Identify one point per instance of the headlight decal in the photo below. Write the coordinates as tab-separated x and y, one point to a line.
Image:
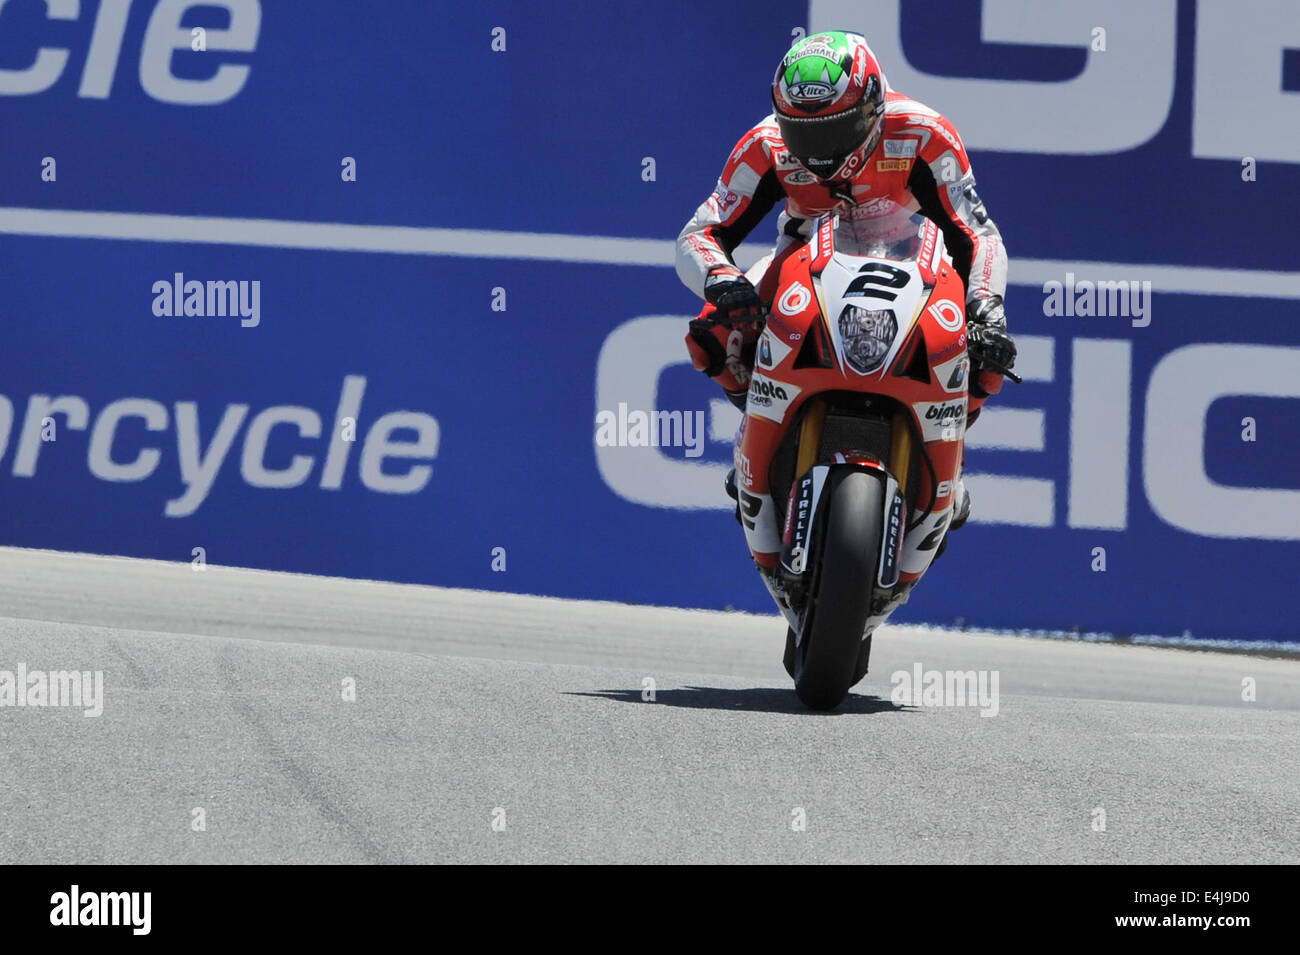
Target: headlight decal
867	335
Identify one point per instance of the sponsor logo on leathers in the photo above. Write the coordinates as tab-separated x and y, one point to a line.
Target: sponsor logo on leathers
734	362
800	178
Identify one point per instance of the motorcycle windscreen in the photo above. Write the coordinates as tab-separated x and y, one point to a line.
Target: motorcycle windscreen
883	230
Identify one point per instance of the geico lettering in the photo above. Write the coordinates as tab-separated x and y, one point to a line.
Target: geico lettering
163	36
1074	116
200	465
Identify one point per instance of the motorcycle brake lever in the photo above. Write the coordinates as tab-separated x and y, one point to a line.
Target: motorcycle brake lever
1004	372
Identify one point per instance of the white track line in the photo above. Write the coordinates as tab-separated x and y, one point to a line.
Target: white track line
556	247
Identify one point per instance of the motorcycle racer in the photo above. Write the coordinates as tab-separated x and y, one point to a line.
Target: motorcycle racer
839	140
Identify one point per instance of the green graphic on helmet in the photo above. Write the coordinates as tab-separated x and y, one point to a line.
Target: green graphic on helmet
817	69
832	46
813	69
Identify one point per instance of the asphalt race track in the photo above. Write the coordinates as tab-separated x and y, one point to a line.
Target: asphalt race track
224	692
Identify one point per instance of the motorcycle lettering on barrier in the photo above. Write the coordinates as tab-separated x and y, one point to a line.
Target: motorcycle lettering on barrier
163	37
198	466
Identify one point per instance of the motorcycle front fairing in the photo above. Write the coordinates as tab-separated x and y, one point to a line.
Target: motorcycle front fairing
862	363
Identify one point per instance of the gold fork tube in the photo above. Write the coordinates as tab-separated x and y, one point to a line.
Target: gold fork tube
900	451
810	435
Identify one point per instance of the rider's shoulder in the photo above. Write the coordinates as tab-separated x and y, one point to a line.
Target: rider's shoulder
763	137
904	115
901	109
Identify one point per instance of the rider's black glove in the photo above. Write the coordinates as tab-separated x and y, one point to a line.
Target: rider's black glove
992	350
736	300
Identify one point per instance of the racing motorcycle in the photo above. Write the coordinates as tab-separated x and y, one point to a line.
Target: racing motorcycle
849	452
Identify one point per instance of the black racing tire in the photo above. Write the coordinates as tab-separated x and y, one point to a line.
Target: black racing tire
826	661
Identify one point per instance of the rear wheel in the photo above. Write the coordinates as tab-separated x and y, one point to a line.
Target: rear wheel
826	662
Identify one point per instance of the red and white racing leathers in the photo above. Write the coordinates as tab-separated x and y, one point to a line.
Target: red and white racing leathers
920	163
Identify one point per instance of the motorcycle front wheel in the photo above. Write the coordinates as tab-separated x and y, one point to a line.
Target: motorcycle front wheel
826	660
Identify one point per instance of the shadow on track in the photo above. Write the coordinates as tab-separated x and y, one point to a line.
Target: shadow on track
758	699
